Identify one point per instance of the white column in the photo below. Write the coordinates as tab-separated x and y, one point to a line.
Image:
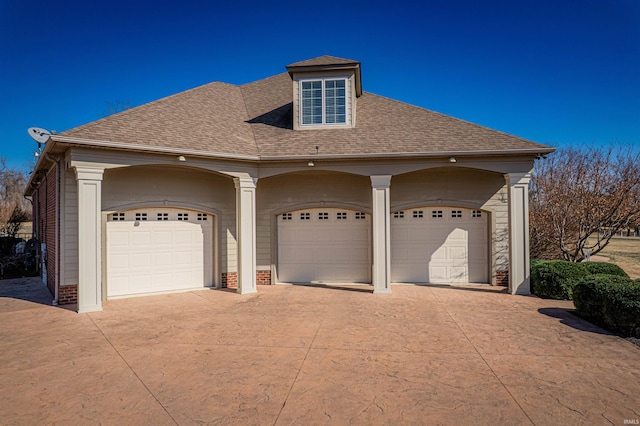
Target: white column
246	233
89	238
381	273
519	282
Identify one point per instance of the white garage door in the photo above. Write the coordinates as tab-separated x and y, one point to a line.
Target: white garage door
324	245
156	250
439	245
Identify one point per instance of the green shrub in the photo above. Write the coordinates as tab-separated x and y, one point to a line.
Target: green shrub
622	309
555	279
604	268
589	295
611	301
534	262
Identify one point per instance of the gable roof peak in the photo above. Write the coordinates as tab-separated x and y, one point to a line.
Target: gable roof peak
325	60
328	63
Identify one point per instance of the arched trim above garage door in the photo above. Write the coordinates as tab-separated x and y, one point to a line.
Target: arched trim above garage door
440	244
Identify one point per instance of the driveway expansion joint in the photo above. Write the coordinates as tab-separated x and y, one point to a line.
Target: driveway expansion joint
131	369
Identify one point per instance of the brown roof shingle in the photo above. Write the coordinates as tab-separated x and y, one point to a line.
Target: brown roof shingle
210	118
255	120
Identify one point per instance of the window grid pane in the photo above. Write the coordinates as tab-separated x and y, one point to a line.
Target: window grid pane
311	102
335	101
323	102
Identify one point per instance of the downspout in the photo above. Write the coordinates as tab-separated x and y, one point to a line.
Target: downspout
56	284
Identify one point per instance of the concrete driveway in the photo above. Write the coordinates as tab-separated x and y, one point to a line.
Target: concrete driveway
311	355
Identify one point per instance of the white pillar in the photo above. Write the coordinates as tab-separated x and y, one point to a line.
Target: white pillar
519	274
246	233
381	273
89	238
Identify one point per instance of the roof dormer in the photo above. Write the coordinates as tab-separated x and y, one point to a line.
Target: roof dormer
325	90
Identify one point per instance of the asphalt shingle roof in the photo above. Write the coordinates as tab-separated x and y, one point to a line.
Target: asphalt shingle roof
255	119
323	60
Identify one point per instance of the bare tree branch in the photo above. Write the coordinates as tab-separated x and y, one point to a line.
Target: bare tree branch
580	198
14	209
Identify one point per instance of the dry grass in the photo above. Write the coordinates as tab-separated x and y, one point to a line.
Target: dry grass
624	252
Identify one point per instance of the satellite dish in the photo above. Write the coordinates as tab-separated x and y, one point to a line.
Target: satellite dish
39	135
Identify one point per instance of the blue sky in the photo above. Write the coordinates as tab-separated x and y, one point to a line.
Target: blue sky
552	71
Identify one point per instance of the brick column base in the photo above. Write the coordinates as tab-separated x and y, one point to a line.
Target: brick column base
263	277
67	294
502	278
230	279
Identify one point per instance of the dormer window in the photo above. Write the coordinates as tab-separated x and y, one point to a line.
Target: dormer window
325	93
323	101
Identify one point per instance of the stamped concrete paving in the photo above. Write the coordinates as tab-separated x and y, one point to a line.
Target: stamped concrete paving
311	355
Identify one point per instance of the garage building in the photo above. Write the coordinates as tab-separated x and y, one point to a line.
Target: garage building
301	177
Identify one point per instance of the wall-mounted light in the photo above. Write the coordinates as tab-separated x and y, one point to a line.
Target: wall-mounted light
452	159
181	158
311	163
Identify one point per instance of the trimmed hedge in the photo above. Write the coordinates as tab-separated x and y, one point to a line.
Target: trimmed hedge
555	279
604	268
611	301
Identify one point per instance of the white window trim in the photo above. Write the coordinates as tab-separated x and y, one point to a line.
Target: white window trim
347	107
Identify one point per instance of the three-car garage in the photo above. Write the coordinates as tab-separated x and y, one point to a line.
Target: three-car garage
151	250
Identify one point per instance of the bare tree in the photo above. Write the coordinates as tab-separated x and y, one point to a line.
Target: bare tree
580	199
14	209
115	107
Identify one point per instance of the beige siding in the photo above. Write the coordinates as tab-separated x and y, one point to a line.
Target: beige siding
167	186
302	190
70	229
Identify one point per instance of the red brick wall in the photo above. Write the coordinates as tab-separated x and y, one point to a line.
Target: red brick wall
44	224
230	279
263	277
68	294
50	227
502	278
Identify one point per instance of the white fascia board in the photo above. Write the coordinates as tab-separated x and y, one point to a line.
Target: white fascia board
180	151
146	148
40	165
394	155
